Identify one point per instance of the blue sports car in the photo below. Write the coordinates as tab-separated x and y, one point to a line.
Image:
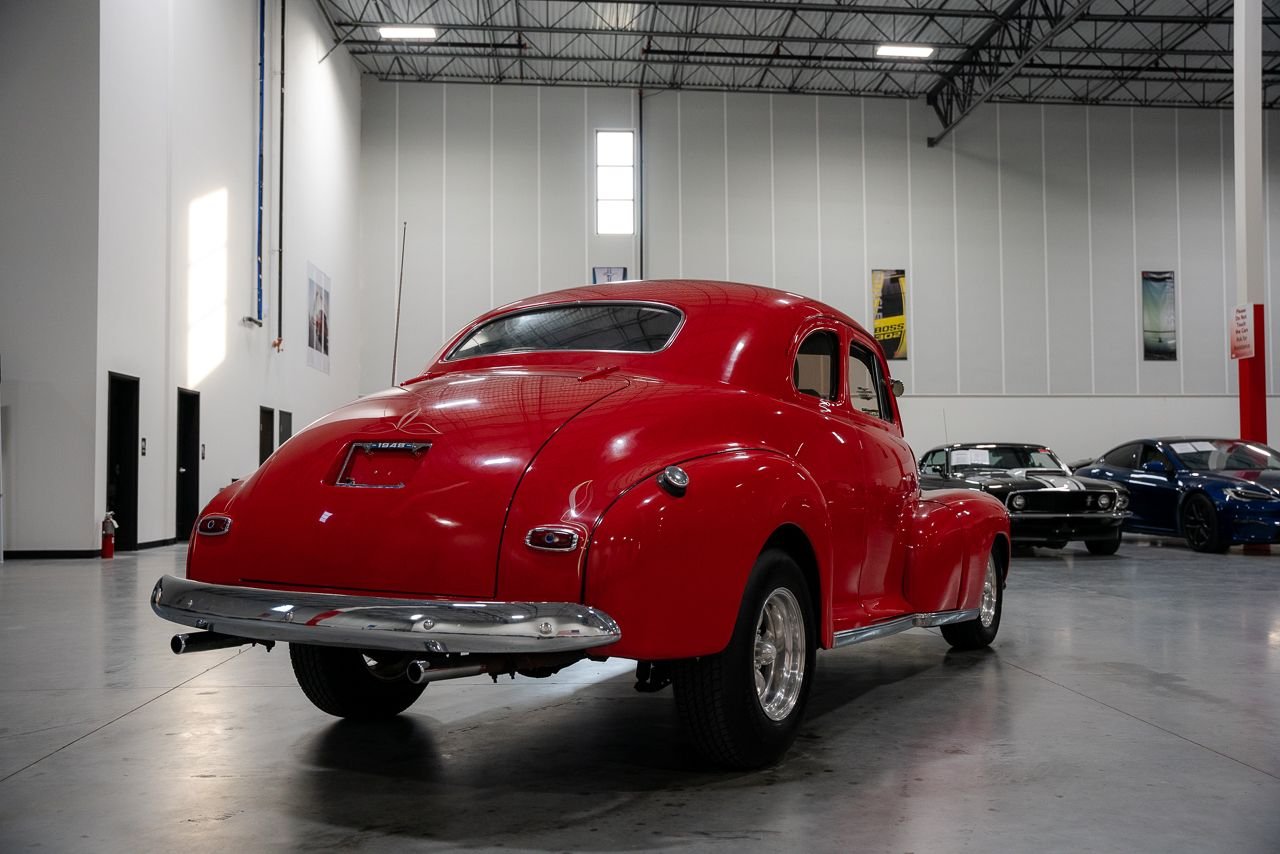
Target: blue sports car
1214	492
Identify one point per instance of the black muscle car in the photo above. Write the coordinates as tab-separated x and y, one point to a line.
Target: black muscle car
1048	506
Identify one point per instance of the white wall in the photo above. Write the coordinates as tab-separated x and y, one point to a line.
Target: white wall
178	102
497	189
1023	236
48	272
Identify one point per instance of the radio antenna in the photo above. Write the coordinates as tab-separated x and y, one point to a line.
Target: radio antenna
395	341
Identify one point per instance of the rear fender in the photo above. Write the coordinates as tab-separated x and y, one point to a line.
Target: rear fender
953	531
672	569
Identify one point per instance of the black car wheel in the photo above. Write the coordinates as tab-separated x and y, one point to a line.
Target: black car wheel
1104	547
743	706
1200	525
348	683
979	633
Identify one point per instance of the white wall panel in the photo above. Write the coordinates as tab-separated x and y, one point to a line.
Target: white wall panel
468	231
663	235
1155	158
750	177
379	237
1116	330
933	254
980	354
515	193
843	275
1202	349
1022	242
565	161
48	280
795	194
420	190
703	239
1023	234
1070	300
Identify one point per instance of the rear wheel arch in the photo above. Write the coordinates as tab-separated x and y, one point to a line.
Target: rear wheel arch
791	539
1000	548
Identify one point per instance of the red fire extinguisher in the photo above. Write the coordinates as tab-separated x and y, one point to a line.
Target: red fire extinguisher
109	525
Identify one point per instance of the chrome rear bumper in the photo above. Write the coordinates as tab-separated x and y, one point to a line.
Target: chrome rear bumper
359	622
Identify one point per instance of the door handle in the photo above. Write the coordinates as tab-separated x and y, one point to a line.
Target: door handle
181	470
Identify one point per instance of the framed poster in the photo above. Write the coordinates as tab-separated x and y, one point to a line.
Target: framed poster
600	275
889	306
1159	317
317	319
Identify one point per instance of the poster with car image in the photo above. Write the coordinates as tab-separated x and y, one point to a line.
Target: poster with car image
317	319
889	306
1159	317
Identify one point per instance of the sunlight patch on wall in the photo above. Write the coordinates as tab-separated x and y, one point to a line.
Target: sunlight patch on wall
206	285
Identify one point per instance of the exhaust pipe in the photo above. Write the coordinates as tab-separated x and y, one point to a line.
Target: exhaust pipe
205	641
420	672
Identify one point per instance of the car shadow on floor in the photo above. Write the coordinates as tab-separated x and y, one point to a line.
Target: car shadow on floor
592	761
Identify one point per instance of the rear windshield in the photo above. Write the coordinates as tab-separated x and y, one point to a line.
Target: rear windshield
615	327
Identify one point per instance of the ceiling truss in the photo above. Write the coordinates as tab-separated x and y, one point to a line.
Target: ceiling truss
1102	52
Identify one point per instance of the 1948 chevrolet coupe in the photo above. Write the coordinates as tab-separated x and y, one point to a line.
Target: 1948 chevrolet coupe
708	478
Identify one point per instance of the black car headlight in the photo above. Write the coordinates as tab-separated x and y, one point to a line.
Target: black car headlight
1104	501
1018	501
1122	501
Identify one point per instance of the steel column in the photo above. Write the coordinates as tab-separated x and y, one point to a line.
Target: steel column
1250	283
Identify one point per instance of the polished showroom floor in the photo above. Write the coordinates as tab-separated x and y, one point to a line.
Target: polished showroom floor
1130	704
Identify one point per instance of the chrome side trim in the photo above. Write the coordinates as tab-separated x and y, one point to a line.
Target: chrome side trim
366	622
901	624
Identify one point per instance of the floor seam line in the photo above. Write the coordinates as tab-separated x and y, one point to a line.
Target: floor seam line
98	729
1142	720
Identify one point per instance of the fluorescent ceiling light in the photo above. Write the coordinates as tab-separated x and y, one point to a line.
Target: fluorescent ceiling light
910	51
407	32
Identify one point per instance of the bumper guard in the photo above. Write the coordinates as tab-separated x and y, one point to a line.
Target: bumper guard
360	622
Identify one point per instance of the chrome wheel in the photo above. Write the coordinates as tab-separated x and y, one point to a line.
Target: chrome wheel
779	654
990	594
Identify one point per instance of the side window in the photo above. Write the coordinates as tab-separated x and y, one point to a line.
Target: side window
1152	454
1124	457
934	462
866	391
816	370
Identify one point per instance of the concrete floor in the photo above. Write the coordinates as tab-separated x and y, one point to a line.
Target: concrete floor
1130	704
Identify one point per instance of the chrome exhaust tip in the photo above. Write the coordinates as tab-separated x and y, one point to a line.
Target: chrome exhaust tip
204	641
420	672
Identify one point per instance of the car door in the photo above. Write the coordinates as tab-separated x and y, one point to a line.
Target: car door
831	450
1153	495
890	481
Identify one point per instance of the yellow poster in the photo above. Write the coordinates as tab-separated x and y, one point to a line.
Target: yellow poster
889	301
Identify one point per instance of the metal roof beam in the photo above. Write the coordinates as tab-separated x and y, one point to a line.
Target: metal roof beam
961	92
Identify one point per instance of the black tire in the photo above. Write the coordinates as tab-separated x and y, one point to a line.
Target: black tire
717	695
980	632
346	684
1199	520
1104	547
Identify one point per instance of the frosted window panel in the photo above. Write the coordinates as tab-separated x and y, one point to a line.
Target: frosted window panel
615	182
615	217
615	148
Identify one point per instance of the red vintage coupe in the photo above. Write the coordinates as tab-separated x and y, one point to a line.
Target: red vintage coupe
708	478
